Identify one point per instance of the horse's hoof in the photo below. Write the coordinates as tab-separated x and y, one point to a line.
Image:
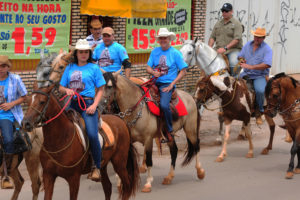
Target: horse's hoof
119	189
249	155
146	189
265	151
289	175
142	170
167	181
288	140
297	170
241	137
219	159
200	173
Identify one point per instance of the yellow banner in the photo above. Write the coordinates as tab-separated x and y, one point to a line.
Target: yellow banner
125	8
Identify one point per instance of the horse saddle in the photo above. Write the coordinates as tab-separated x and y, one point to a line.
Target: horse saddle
152	94
106	136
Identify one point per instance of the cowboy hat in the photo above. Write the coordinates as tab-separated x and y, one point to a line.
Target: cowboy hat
4	60
259	32
82	44
163	32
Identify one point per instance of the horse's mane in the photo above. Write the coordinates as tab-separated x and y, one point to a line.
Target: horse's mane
278	76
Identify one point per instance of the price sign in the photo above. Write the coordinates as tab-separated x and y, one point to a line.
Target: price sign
140	32
27	28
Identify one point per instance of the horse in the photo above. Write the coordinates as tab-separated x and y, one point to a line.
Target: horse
144	125
43	68
283	96
64	155
237	103
200	54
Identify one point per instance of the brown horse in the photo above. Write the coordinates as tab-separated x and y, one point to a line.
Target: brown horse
283	97
63	154
144	125
237	104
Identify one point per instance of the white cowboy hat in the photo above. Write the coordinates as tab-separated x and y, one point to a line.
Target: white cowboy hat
82	44
164	32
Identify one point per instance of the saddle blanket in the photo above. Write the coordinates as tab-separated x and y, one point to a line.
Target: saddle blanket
180	107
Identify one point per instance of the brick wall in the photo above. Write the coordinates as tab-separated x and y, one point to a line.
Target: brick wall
79	30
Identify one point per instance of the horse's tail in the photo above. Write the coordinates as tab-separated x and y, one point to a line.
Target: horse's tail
129	189
193	148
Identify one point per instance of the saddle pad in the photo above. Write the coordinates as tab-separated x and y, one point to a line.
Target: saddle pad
180	107
108	138
80	136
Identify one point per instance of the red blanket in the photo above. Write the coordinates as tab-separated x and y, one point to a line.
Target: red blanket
180	107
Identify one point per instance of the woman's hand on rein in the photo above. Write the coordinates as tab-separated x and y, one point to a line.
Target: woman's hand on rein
69	92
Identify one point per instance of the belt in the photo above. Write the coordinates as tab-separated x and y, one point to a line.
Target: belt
88	98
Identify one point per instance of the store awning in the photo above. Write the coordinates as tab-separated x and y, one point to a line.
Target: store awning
125	8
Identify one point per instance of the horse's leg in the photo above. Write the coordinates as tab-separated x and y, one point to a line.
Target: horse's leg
297	169
18	181
32	163
221	121
290	173
74	182
48	180
148	150
271	124
248	135
143	167
223	153
200	170
173	151
106	184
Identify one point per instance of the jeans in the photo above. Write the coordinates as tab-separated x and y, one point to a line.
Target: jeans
6	127
259	87
232	58
91	124
165	98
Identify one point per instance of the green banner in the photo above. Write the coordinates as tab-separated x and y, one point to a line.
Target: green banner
31	26
141	32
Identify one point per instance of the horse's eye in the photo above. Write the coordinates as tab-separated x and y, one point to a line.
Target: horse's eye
61	67
274	96
42	103
46	74
190	53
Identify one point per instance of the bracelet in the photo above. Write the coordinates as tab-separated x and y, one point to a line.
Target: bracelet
225	48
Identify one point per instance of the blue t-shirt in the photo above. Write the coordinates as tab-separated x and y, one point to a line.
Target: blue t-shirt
169	62
83	79
263	54
3	99
110	58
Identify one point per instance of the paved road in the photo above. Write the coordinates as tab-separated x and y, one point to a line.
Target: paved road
261	177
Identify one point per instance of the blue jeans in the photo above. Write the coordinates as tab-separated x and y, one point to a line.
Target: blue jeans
165	98
259	87
6	127
232	58
91	124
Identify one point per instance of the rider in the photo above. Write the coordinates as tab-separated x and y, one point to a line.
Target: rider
12	94
258	60
95	28
167	64
111	55
84	77
227	34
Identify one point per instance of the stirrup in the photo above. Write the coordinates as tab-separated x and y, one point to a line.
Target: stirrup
95	175
168	138
6	183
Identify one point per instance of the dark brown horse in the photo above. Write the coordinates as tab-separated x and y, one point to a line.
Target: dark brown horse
63	154
237	104
283	97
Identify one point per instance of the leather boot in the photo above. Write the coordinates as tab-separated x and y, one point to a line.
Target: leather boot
95	176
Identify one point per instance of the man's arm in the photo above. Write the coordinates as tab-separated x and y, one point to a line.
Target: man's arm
211	42
261	66
127	67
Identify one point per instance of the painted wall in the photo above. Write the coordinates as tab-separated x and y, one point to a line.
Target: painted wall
281	18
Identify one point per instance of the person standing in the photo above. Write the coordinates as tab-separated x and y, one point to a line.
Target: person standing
227	37
95	38
85	78
12	94
167	64
257	61
111	55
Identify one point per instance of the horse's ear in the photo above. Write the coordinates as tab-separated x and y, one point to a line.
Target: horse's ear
117	72
68	56
61	51
42	55
182	40
195	40
35	85
49	89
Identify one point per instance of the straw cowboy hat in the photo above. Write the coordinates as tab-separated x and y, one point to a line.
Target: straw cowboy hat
259	32
81	44
164	32
4	60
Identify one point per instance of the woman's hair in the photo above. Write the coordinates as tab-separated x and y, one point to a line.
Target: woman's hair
75	59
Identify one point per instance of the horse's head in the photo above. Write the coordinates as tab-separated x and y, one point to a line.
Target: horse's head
58	66
188	51
276	92
38	103
43	68
203	90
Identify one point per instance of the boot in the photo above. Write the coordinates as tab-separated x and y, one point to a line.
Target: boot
95	175
168	137
259	120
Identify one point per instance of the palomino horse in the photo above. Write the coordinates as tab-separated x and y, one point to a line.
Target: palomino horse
236	102
200	54
144	125
63	154
283	97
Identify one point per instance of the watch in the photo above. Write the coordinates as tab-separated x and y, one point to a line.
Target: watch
225	48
